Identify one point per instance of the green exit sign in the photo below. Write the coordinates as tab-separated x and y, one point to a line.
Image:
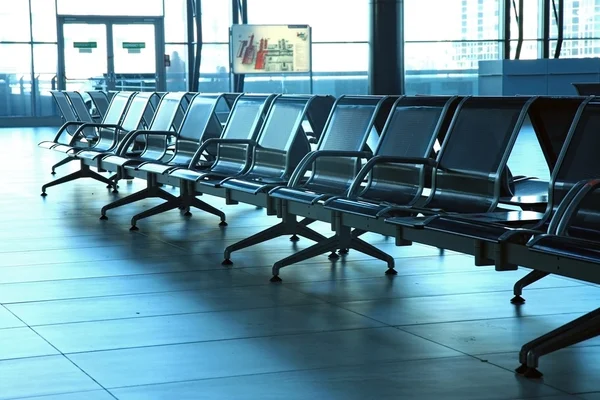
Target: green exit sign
85	45
134	45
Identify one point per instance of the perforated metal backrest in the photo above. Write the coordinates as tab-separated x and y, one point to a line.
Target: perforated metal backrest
100	100
475	151
282	141
347	129
117	108
66	110
166	111
244	122
135	112
199	124
411	130
79	106
579	160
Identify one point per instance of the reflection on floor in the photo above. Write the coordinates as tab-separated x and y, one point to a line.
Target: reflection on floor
90	310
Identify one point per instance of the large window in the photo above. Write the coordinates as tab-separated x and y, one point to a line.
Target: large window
214	70
340	53
445	61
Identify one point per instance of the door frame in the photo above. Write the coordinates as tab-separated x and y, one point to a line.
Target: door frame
110	21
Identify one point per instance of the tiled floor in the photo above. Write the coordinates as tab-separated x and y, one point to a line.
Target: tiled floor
90	310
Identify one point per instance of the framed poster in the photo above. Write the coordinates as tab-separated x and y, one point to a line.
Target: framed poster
270	49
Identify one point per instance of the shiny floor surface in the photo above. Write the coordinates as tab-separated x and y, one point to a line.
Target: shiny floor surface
90	310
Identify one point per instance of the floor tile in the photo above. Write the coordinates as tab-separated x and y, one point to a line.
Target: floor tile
493	336
254	356
572	370
470	307
147	305
122	285
420	285
8	320
459	378
22	343
40	376
92	395
189	328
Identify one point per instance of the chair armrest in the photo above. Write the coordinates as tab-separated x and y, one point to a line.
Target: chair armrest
353	191
251	143
131	136
311	157
562	219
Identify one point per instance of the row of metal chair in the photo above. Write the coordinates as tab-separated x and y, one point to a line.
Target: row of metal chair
426	169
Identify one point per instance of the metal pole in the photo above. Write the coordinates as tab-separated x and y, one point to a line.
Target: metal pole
506	25
546	29
561	27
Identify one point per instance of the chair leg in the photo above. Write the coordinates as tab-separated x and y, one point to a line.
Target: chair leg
84	172
191	201
370	250
64	161
288	226
159	209
525	281
322	247
576	331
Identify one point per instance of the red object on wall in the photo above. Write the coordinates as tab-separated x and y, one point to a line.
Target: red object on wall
261	55
250	52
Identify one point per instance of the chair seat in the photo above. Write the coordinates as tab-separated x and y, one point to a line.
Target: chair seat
65	148
120	161
47	144
90	154
356	207
297	195
564	246
187	174
155	168
251	186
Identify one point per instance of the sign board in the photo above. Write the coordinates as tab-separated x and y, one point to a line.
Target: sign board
134	45
270	49
85	45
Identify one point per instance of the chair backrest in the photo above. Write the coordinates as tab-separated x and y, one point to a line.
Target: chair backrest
100	100
347	129
411	130
117	108
136	110
199	123
66	109
579	160
475	152
282	141
79	106
157	145
244	122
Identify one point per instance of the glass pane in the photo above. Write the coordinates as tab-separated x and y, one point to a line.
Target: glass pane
214	71
216	20
340	57
530	50
176	21
177	80
14	22
582	20
449	55
111	7
331	20
86	62
338	84
134	57
532	17
45	66
15	80
44	23
297	84
460	19
577	48
441	82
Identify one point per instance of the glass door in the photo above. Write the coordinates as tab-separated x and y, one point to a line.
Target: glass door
85	55
111	53
134	63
